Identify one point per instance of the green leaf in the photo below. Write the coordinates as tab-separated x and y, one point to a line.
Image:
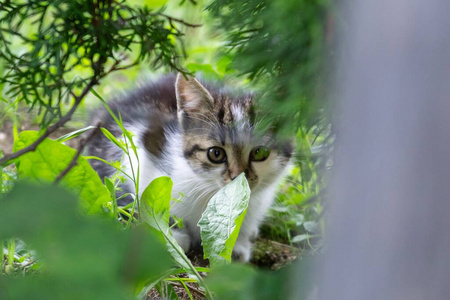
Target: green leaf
224	64
299	238
119	122
74	134
222	220
311	226
92	257
155	211
113	139
112	192
50	159
155	3
156	201
155	204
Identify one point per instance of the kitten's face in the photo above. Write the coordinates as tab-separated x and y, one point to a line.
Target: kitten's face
219	142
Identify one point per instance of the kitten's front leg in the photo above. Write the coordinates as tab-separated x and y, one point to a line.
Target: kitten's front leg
243	248
242	251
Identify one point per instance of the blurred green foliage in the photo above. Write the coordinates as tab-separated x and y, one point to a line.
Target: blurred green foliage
84	257
282	46
244	282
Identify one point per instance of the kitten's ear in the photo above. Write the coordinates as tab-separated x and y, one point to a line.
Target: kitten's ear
192	97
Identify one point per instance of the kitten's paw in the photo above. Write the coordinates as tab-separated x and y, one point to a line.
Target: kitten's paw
241	252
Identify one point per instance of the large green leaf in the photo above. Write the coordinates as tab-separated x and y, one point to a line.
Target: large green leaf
83	257
222	220
155	211
155	205
50	159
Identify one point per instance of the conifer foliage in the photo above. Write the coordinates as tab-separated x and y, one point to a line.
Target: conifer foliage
58	50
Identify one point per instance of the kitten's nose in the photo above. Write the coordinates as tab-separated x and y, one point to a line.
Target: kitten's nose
235	174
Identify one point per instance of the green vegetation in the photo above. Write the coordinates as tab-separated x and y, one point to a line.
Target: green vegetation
222	220
50	159
64	234
82	256
156	201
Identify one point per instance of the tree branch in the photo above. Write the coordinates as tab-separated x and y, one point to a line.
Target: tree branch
80	149
7	158
177	20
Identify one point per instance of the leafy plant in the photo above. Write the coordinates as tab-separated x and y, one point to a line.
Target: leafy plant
156	213
50	159
129	148
222	219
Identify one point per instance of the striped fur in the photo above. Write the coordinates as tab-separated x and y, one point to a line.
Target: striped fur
176	120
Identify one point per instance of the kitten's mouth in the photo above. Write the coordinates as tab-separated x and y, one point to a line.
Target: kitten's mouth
252	185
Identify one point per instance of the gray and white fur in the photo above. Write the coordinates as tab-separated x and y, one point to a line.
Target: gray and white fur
202	135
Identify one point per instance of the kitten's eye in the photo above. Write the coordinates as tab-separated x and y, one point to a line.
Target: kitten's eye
217	155
259	153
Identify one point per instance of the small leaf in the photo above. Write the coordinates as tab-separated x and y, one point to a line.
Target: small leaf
113	139
178	222
299	219
280	209
222	220
112	191
50	159
299	238
74	134
311	226
110	185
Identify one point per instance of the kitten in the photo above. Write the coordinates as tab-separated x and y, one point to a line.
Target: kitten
202	136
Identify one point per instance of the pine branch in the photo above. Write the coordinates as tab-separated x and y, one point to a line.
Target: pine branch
180	21
38	76
106	32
